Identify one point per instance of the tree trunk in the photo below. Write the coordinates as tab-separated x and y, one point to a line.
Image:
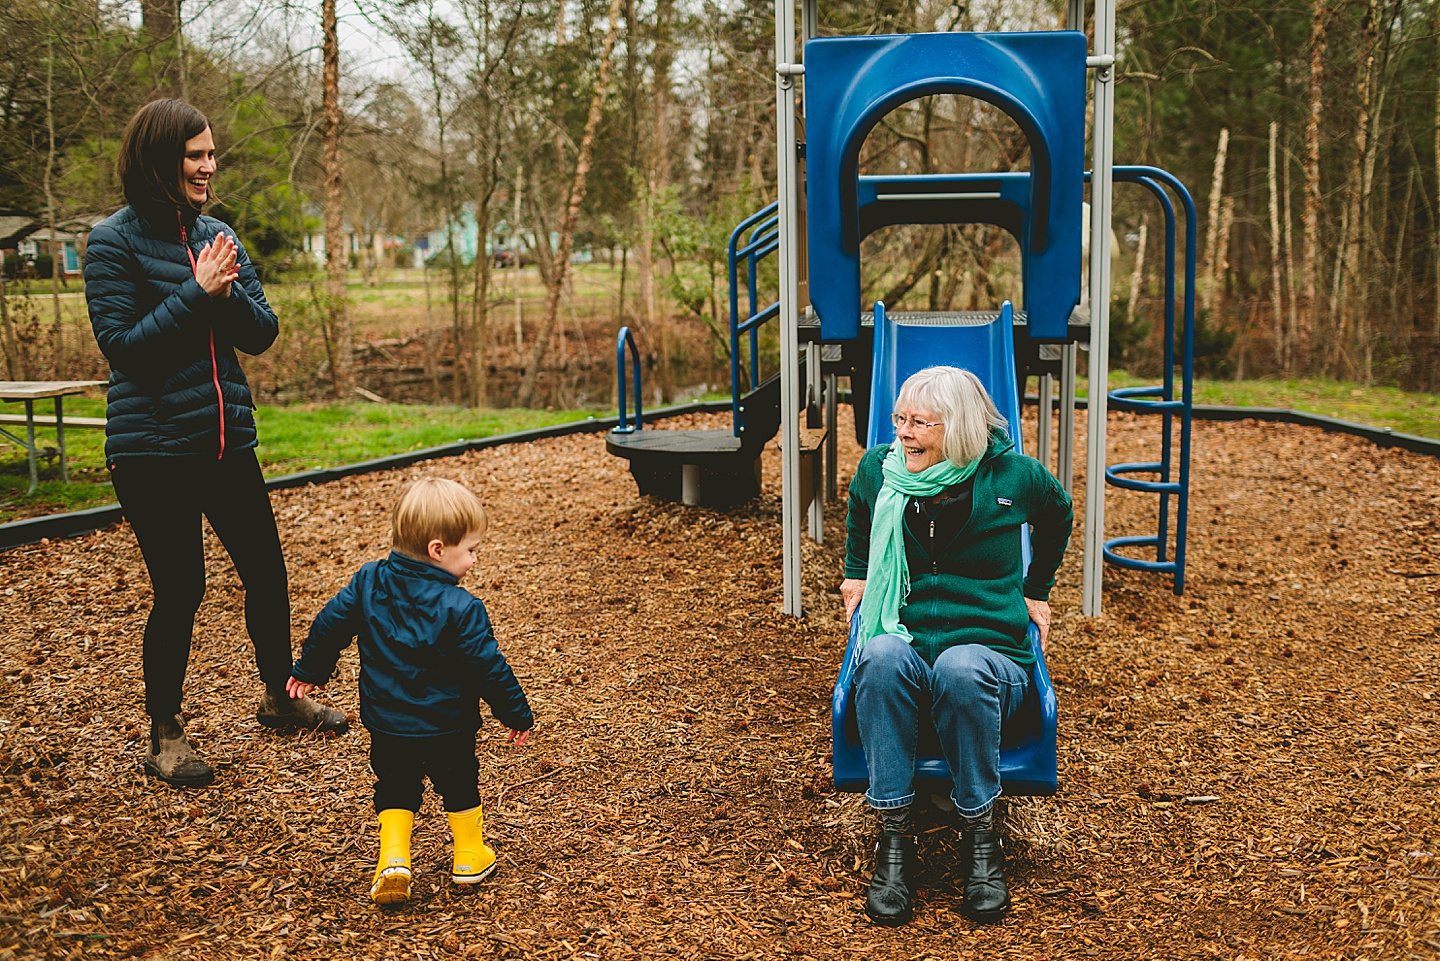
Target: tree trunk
1435	235
487	161
515	249
480	311
572	211
13	366
657	175
1303	343
159	17
57	262
1137	276
336	253
1293	313
1350	270
1282	358
1222	275
1212	227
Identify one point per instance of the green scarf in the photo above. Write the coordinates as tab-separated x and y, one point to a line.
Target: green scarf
887	574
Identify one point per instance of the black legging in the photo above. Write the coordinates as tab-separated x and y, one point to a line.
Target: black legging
163	499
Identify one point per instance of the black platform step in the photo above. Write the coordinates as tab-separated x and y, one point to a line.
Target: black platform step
690	446
724	468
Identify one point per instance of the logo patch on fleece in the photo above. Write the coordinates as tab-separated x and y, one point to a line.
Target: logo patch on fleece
1004	501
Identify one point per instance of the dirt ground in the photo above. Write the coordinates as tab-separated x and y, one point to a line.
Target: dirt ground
1247	771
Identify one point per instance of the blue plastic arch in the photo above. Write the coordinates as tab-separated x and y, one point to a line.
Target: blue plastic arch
853	82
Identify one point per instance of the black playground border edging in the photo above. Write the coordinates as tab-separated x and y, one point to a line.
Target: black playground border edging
74	523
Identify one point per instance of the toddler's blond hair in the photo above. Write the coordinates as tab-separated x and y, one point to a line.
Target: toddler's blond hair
432	508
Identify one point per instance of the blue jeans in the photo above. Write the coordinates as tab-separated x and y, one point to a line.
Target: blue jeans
969	695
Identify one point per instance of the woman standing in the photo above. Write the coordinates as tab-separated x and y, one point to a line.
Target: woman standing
933	564
172	294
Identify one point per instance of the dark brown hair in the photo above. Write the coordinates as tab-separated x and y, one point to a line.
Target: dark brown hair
151	150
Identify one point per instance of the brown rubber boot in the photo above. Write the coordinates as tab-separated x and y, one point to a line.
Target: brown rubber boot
280	712
171	758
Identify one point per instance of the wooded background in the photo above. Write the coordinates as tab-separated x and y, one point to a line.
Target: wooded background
643	130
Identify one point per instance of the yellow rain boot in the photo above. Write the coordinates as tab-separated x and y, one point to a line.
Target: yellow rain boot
474	859
392	873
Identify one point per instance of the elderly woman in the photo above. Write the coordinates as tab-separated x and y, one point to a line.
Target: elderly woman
933	564
172	297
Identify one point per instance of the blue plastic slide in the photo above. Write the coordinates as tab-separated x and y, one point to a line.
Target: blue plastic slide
982	344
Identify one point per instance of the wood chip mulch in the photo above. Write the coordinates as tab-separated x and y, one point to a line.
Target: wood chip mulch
1247	771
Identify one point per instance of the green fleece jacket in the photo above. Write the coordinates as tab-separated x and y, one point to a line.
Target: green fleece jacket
974	590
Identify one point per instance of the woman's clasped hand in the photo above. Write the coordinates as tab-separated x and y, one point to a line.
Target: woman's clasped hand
217	267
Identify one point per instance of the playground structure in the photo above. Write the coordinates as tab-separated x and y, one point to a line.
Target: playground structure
851	83
1038	79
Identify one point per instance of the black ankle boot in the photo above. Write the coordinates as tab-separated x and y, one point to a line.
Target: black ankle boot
982	863
891	901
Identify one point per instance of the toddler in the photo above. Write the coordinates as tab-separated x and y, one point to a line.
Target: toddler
427	657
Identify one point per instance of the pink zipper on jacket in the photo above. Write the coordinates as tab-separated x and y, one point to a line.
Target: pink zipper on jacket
214	367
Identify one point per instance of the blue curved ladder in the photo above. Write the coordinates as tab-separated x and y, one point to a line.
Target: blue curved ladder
1171	479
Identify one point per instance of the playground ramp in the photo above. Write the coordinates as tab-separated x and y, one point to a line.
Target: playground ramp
981	342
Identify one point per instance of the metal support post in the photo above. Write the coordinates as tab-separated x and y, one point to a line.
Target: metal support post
786	69
30	444
813	396
1101	187
60	437
832	443
1066	466
1042	433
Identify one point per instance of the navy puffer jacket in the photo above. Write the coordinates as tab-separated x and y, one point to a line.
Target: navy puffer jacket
170	345
428	654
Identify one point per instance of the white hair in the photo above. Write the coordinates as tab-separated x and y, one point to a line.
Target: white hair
959	401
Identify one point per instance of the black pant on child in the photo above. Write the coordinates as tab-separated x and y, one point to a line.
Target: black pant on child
401	765
163	499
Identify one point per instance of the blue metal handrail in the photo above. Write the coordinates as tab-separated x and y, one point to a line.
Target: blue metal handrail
1162	399
626	337
764	233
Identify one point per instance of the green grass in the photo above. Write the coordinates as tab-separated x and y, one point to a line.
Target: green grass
305	437
292	439
1402	411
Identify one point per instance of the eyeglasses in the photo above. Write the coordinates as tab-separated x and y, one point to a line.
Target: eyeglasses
900	420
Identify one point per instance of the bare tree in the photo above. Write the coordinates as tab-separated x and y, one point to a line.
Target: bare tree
1212	227
1310	262
1282	356
57	264
337	253
572	211
8	341
655	174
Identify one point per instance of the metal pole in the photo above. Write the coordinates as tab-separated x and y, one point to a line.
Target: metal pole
60	435
1042	434
813	396
832	442
1074	20
1066	471
1100	195
786	69
30	442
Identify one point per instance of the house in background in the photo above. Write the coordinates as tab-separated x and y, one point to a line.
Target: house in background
28	238
315	244
435	243
14	228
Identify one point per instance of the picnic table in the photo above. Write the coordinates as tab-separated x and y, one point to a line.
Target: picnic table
30	391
